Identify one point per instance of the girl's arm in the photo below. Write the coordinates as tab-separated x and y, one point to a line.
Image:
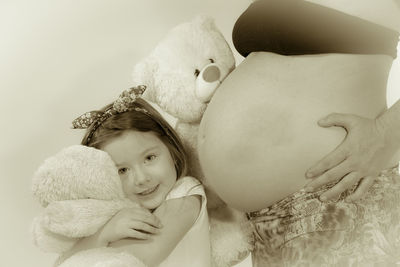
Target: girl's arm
177	217
137	222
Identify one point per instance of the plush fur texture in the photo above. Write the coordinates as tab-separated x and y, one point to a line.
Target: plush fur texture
181	74
72	174
80	190
102	257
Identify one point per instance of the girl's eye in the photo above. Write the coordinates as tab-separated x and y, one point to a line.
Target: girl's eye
150	158
212	60
196	72
122	171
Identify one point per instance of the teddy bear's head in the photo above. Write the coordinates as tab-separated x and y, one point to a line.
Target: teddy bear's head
185	68
77	172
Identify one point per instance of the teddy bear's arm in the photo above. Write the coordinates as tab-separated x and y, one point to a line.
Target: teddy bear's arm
48	241
83	244
100	257
81	217
177	217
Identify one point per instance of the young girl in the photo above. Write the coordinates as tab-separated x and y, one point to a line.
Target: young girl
172	227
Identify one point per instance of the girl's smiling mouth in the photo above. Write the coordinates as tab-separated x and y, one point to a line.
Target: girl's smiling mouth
148	191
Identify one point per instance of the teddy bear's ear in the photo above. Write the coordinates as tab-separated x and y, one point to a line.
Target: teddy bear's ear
143	74
204	21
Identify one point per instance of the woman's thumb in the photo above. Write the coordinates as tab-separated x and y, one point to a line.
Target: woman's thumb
336	119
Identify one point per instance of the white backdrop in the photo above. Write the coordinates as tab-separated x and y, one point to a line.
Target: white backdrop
61	58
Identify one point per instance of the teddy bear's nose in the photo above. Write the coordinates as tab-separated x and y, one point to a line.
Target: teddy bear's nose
211	73
207	82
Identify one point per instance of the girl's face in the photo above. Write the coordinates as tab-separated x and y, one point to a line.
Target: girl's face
145	166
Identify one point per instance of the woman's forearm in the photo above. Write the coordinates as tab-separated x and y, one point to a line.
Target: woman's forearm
389	122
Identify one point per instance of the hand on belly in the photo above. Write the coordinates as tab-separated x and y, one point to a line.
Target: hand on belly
259	134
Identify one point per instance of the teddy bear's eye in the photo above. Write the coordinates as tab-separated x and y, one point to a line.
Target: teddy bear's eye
212	60
196	72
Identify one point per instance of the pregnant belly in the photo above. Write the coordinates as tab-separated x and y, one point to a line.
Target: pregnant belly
259	134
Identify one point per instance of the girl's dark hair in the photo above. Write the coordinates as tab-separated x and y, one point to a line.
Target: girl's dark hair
150	121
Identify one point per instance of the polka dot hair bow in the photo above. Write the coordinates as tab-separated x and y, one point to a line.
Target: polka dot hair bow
124	102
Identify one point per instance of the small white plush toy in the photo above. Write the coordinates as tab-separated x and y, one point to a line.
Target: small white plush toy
181	74
80	190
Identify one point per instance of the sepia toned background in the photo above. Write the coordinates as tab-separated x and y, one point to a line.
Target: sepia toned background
59	59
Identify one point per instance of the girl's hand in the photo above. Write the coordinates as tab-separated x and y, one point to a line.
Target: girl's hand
360	158
138	223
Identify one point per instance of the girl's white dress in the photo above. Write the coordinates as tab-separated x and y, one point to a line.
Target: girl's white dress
194	248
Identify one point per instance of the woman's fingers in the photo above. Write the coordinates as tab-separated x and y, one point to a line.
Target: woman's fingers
362	188
334	174
338	119
328	162
347	121
346	183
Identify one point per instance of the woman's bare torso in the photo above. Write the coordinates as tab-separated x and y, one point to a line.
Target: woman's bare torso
259	134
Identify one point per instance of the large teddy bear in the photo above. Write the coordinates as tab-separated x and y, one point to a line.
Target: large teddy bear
181	74
80	190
